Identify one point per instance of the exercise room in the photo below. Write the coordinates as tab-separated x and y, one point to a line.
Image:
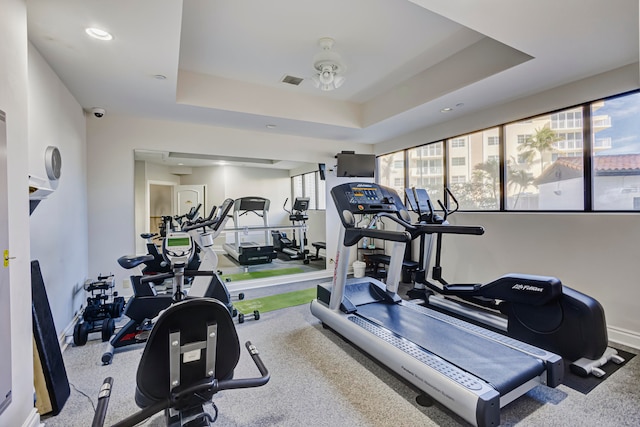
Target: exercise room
363	213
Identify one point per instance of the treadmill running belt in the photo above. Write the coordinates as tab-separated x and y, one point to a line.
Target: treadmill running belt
502	367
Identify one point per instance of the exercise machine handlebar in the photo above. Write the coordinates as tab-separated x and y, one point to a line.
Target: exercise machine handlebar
420	229
103	403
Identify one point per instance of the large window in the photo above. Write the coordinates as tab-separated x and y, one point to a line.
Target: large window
544	162
474	170
390	171
309	185
583	158
615	160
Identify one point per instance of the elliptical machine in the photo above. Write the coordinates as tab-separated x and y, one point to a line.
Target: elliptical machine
289	248
538	310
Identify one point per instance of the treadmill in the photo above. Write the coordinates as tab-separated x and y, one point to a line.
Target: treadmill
251	253
472	371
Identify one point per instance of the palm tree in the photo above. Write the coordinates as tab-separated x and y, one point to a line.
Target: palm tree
489	170
543	140
521	179
384	167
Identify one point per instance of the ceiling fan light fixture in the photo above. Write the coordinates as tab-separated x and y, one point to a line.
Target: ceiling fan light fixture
328	66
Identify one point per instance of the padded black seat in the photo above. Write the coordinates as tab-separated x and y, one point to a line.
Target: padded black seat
318	246
206	343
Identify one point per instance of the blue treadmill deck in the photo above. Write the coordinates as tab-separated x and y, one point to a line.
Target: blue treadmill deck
500	366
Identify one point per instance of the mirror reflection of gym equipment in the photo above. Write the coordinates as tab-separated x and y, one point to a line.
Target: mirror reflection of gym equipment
250	252
156	177
291	249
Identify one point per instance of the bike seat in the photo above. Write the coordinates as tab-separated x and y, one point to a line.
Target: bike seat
148	235
132	261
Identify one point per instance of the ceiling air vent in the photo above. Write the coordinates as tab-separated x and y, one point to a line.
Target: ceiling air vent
292	80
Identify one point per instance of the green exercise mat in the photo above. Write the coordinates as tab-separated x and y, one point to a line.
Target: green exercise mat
276	302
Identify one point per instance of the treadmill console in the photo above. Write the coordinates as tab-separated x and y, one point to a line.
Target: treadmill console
365	198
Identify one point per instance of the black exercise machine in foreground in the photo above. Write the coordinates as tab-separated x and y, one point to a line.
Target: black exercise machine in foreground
471	370
538	310
189	357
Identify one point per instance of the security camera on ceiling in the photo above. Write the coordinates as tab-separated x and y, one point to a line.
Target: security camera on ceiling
98	112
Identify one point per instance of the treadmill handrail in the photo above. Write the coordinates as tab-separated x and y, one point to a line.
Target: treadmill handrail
476	230
444	228
213	223
353	235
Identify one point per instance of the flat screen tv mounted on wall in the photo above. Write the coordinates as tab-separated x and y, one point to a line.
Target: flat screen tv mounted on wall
356	165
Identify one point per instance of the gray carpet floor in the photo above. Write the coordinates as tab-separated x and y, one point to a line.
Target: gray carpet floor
318	379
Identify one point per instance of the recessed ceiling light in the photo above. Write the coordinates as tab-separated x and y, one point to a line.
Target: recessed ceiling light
446	110
160	77
99	34
271	126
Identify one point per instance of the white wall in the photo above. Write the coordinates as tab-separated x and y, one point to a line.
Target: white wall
214	179
596	254
59	223
13	101
111	141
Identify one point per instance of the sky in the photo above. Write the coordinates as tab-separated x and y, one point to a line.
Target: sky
625	124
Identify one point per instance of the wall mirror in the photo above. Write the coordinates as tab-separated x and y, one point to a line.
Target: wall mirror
170	183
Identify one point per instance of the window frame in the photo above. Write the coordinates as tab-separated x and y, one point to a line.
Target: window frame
589	141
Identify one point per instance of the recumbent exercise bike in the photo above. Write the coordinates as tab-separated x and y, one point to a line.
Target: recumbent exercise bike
191	353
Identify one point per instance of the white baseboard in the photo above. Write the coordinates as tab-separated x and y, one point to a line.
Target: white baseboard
66	337
624	337
33	420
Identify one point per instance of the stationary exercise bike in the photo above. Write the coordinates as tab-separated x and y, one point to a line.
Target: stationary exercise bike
146	303
538	310
191	354
158	264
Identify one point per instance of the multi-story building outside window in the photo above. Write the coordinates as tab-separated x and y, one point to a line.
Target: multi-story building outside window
426	168
567	120
458	142
474	171
458	161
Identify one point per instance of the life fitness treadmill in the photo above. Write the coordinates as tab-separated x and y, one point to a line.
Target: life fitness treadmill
470	370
